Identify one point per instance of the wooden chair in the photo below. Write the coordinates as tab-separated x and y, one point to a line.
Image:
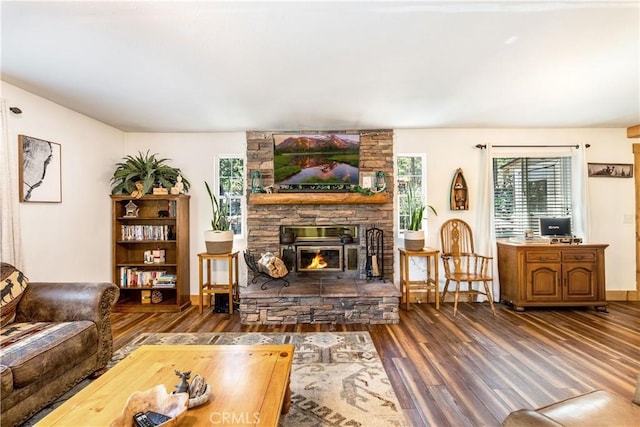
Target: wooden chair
462	264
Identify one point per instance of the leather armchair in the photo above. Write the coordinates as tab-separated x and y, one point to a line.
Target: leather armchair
596	408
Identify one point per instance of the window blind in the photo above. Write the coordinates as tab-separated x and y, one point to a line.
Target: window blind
527	188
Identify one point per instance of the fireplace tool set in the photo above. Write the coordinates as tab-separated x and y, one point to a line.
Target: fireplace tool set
375	256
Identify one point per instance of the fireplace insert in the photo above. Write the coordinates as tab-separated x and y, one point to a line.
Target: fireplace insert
322	248
319	258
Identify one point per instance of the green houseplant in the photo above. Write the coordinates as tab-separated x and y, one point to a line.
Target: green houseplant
147	169
414	235
219	239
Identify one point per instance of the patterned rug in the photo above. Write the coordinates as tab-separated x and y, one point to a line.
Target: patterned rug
337	378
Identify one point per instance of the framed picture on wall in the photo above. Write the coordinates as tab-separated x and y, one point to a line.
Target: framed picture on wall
316	162
611	170
40	170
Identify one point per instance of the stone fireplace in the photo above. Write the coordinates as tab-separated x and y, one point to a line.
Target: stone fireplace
337	288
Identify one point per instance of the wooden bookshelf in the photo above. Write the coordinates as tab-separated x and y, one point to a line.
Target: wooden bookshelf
162	222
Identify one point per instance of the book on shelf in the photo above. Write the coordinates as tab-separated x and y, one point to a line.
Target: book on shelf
164	285
172	208
165	281
146	232
131	277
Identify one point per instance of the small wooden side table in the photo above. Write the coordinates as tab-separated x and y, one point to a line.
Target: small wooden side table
207	287
428	284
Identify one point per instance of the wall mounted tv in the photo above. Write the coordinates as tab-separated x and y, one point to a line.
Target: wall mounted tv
555	227
316	162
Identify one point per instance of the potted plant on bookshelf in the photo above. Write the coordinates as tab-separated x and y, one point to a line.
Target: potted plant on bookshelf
219	240
138	175
414	235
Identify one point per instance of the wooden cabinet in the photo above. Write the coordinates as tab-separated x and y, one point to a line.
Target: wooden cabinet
551	275
150	239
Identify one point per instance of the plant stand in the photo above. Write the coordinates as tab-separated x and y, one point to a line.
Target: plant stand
207	287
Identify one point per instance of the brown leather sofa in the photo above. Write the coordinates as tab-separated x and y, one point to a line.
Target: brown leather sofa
596	408
61	334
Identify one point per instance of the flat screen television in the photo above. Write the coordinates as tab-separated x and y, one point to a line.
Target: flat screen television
316	162
555	226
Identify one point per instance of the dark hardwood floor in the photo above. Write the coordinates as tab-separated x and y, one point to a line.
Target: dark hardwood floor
474	369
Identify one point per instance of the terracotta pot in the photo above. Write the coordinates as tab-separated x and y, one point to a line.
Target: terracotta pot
218	242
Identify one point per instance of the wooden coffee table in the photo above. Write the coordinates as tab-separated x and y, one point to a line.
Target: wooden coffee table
249	384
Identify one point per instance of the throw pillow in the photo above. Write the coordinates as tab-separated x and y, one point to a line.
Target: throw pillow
12	286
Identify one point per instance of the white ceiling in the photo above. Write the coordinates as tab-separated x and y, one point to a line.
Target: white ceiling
171	66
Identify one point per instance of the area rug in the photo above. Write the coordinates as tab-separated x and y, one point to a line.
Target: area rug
337	378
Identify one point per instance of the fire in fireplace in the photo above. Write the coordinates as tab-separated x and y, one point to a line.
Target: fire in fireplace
315	258
317	262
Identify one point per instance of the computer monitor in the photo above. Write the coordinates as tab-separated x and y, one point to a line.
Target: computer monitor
556	226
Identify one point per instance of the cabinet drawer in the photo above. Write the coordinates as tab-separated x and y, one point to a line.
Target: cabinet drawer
586	256
551	256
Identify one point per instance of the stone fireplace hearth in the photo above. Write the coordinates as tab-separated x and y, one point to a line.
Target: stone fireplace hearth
341	293
328	299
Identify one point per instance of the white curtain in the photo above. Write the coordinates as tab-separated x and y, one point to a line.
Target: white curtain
10	236
485	235
580	197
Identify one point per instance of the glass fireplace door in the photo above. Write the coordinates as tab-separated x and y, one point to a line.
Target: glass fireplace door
319	258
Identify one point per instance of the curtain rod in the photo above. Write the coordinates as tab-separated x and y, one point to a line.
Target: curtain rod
483	146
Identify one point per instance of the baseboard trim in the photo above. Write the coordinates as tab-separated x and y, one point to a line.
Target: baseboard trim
623	296
611	296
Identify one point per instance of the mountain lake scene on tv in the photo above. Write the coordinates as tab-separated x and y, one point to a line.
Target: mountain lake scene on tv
316	161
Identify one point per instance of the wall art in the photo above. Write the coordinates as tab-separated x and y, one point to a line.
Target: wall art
316	162
40	170
611	170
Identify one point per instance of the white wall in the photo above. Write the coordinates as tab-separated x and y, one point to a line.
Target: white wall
610	199
70	240
67	241
195	155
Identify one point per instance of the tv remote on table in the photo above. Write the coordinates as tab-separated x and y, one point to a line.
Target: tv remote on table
149	419
142	420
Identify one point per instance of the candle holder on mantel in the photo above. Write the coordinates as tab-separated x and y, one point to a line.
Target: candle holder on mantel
256	182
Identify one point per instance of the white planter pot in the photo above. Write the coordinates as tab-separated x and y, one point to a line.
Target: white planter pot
414	240
218	242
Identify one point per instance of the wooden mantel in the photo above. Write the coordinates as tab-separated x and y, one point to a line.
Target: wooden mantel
317	198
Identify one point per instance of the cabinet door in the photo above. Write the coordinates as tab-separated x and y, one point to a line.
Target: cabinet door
580	281
543	282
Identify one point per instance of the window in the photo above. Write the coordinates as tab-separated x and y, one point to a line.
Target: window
411	176
526	188
231	189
